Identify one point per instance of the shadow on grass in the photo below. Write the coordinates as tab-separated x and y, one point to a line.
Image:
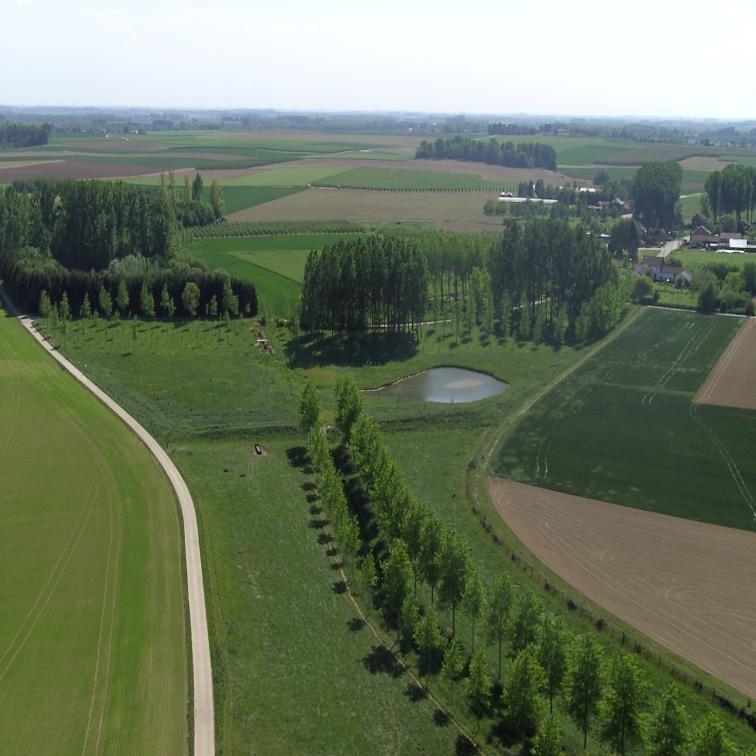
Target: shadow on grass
339	587
381	660
464	747
441	718
415	693
356	624
297	456
352	350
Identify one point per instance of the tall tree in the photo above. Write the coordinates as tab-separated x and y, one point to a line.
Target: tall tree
522	692
167	306
397	577
190	298
216	199
548	741
620	710
197	188
656	192
146	302
430	552
428	637
710	739
453	665
498	613
455	560
105	302
122	298
666	732
479	686
348	404
475	600
583	683
524	620
309	407
552	654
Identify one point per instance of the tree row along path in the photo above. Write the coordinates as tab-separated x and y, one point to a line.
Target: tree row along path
202	680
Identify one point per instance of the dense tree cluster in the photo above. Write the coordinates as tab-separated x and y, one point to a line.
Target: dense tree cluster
399	541
656	193
75	239
521	155
374	282
732	190
24	134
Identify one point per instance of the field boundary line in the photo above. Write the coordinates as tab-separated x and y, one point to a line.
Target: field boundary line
202	680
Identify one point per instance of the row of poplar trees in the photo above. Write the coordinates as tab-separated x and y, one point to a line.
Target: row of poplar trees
540	665
371	283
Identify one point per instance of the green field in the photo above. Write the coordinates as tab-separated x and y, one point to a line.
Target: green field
93	647
695	259
410	180
275	264
622	428
292	671
238	197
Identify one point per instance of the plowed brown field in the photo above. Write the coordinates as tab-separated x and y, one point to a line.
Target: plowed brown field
689	586
732	382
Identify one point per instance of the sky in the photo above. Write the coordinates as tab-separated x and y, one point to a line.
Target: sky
666	58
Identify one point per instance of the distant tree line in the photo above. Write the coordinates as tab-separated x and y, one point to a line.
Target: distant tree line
732	190
511	129
524	155
24	134
374	282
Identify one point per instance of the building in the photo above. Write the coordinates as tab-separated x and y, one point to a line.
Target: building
656	269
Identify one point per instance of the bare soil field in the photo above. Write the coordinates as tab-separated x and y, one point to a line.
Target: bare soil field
14	164
353	204
732	382
702	163
689	586
387	140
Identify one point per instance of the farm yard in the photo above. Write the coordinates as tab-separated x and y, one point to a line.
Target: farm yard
687	585
623	428
93	640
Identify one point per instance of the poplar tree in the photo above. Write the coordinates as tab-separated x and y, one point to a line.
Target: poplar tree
348	404
475	600
105	302
522	693
197	188
666	732
498	612
428	637
583	683
552	654
190	298
620	709
710	739
454	564
479	686
216	199
309	407
452	665
166	303
122	298
548	741
86	307
524	619
146	302
432	541
397	577
45	306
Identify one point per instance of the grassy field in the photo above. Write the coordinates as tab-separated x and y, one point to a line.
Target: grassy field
695	259
293	672
93	648
275	264
622	428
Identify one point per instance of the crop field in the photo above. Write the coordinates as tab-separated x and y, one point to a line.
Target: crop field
623	427
93	647
274	264
353	204
732	382
687	585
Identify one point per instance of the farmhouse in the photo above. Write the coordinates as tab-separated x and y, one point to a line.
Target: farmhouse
655	268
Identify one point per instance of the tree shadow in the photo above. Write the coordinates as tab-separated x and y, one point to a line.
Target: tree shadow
414	692
441	718
318	523
298	457
339	587
356	624
382	660
351	350
325	538
464	747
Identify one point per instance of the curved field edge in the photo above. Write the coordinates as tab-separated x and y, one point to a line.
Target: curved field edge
94	638
702	604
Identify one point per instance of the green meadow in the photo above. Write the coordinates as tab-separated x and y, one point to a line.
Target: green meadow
410	180
93	638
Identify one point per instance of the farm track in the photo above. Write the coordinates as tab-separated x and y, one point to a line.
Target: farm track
688	586
202	688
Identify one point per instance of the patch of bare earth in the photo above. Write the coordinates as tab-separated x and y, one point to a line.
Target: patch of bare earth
732	381
689	586
346	204
72	170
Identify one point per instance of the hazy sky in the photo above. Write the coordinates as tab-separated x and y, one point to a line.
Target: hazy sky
643	57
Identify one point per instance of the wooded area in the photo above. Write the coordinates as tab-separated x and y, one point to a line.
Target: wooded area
524	155
24	134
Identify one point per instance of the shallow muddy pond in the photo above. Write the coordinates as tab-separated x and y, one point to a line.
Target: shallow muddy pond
445	385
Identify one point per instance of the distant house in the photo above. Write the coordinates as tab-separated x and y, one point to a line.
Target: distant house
698	220
655	268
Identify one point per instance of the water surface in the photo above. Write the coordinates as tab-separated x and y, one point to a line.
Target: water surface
445	385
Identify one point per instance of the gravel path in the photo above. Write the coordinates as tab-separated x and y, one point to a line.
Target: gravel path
204	717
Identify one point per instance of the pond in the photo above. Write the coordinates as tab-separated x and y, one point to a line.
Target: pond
445	385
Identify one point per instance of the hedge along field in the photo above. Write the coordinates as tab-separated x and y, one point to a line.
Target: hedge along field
410	180
93	646
294	671
623	429
275	264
